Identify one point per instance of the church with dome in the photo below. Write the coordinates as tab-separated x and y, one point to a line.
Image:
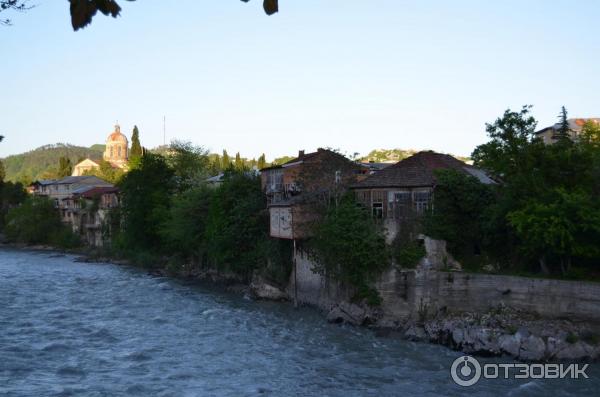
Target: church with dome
116	154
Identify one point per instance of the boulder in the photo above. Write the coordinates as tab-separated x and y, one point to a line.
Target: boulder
263	290
510	344
573	351
533	348
415	333
352	314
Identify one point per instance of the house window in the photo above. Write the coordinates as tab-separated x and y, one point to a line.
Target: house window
398	203
422	200
119	151
378	210
338	177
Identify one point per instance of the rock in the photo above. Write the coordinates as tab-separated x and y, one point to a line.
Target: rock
573	351
553	346
264	290
510	344
415	333
458	336
336	315
352	314
533	348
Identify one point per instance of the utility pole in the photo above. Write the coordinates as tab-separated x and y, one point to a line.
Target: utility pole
164	130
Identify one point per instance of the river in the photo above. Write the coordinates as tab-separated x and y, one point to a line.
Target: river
78	329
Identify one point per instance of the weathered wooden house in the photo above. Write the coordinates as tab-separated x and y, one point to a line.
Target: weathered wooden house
293	188
405	190
87	211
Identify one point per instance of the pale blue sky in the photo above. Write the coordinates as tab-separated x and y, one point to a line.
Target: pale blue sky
355	75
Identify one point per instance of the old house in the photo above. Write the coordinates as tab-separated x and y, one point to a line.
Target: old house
405	190
294	187
549	134
87	211
62	188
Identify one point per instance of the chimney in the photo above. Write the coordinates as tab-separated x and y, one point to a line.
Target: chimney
300	154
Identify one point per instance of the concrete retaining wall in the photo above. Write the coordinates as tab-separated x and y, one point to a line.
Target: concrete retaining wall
407	293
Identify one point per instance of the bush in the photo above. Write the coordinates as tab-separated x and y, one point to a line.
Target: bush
65	238
408	254
349	247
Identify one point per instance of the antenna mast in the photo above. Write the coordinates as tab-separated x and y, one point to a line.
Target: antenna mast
164	130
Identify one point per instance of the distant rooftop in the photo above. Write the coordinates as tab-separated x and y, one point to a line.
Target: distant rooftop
575	124
418	171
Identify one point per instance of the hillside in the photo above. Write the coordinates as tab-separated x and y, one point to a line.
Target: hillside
395	155
32	165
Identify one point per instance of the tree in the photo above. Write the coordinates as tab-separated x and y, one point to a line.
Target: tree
503	156
82	11
2	172
460	206
185	229
64	167
136	151
36	221
237	225
189	163
225	161
239	164
12	5
262	162
564	225
145	199
563	131
349	247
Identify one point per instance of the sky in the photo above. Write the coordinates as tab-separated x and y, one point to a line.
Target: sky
348	74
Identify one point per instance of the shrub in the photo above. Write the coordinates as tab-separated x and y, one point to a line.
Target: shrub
349	247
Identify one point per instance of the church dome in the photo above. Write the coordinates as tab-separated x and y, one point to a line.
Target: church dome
117	136
116	151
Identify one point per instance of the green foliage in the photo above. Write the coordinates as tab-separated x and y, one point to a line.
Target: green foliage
262	162
184	231
11	195
65	168
237	224
239	164
189	163
136	151
504	156
408	254
225	161
563	223
30	166
387	155
145	200
36	221
461	204
563	132
106	172
348	246
545	213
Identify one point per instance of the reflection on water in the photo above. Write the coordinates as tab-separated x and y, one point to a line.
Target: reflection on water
73	329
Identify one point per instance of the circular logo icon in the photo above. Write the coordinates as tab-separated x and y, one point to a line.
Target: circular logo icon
465	371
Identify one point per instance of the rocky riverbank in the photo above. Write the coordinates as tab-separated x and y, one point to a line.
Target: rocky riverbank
503	331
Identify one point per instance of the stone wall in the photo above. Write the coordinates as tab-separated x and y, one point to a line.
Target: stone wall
408	294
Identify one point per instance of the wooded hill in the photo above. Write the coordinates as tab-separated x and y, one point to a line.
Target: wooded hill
32	165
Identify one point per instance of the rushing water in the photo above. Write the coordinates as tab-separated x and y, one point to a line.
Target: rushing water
74	329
